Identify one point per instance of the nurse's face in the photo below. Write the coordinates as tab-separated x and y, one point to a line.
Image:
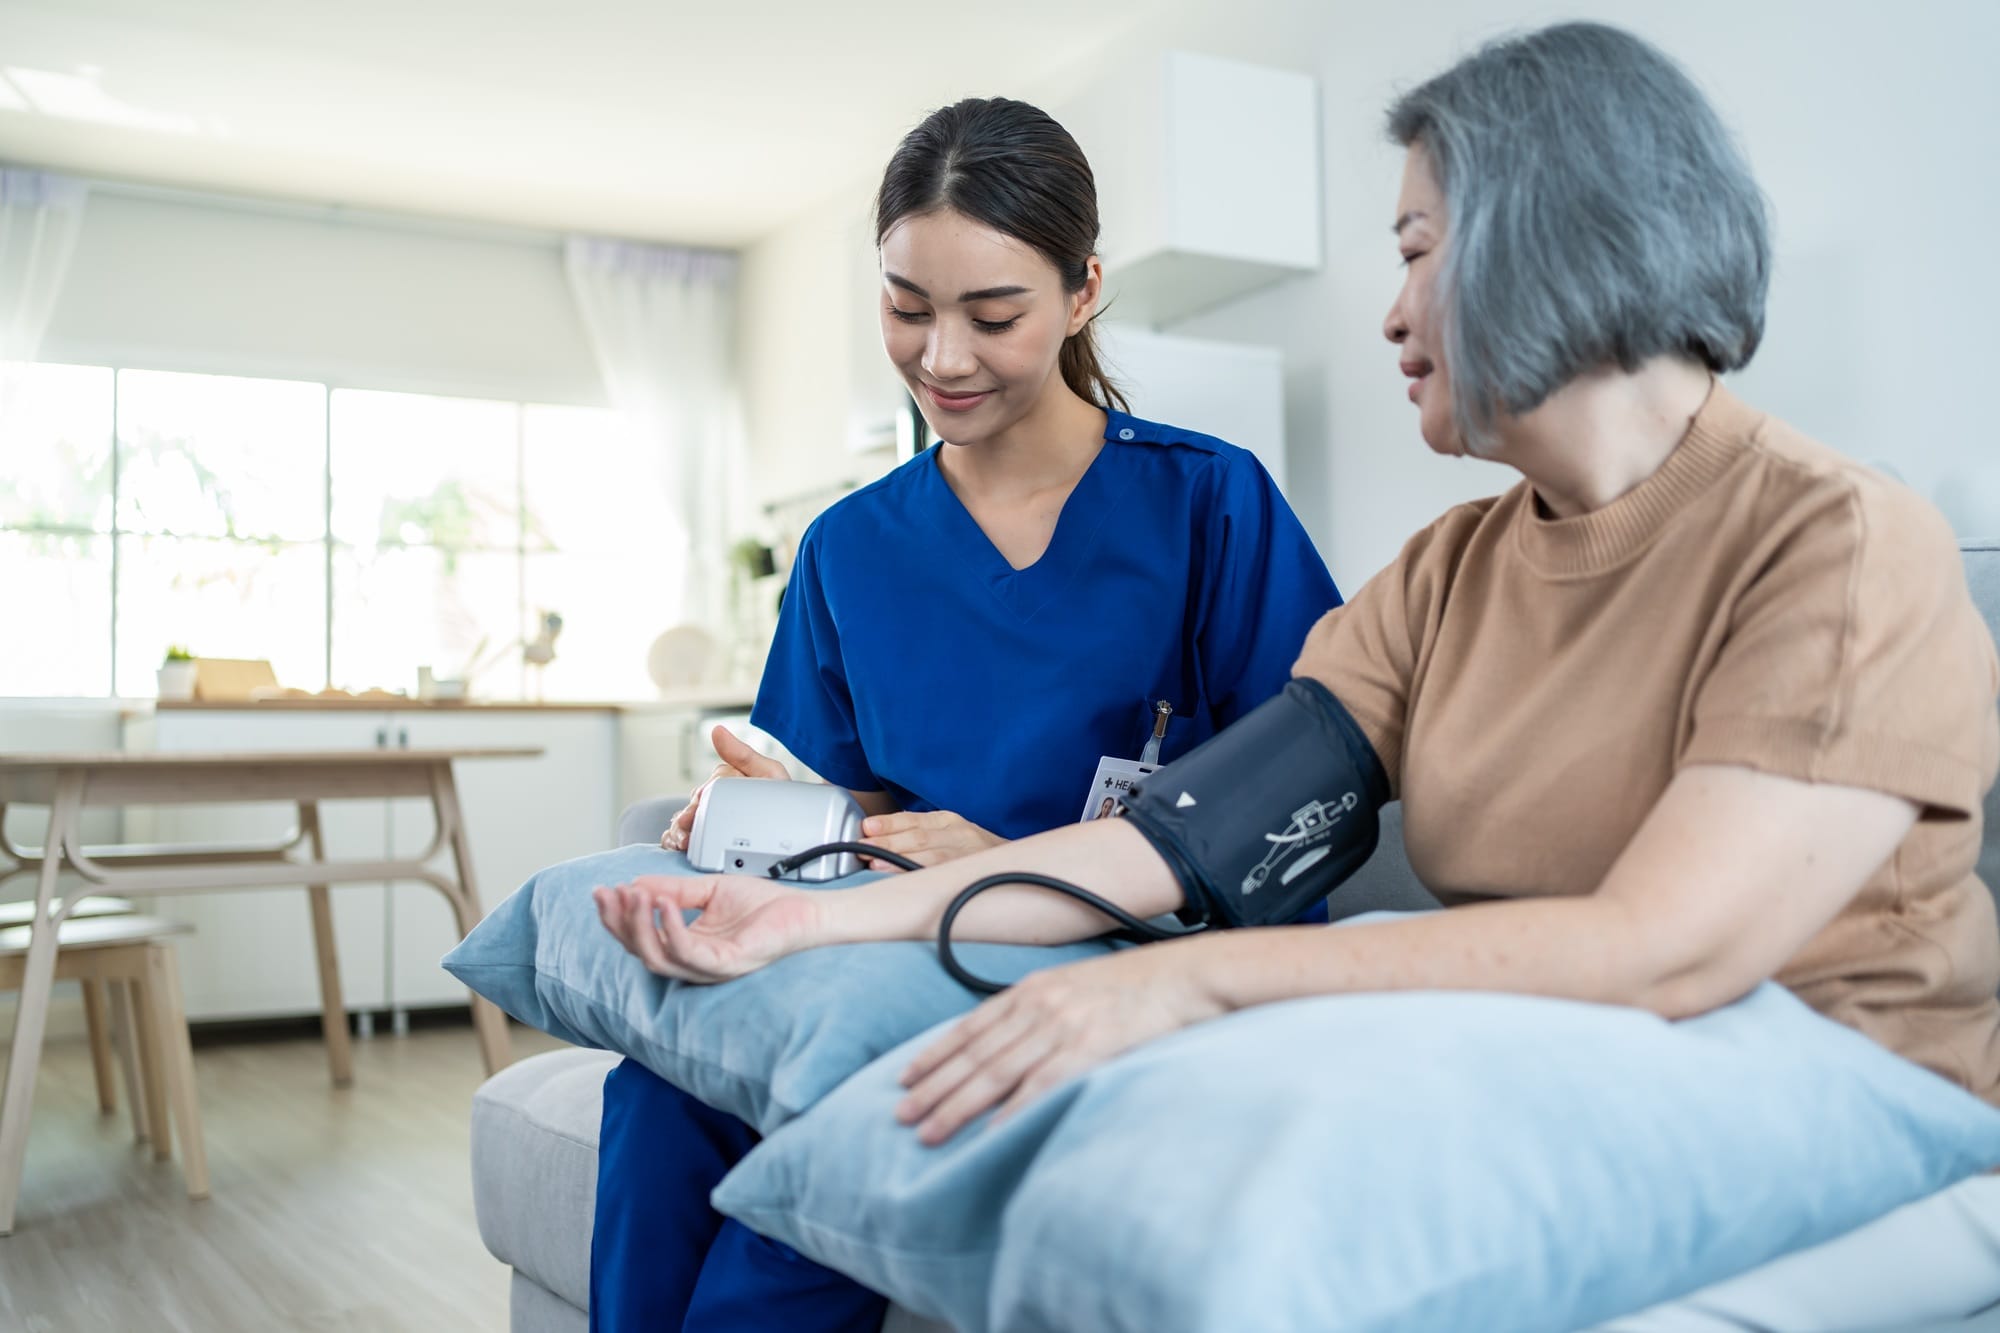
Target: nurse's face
1412	323
974	321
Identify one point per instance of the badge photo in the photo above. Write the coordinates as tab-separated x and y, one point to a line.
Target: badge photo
1111	785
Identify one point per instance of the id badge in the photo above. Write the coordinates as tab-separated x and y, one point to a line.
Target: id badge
1113	783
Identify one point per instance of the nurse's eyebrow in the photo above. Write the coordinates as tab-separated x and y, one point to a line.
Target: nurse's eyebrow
990	294
965	298
1414	215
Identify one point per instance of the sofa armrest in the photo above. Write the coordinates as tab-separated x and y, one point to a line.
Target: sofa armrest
645	821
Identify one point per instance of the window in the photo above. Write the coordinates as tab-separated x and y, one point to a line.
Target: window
221	523
601	544
55	526
348	535
426	528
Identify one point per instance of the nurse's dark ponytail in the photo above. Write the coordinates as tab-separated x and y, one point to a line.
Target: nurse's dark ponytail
1009	166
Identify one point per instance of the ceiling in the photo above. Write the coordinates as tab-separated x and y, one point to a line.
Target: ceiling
705	124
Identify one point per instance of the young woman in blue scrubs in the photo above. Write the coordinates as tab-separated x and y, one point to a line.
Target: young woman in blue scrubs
963	640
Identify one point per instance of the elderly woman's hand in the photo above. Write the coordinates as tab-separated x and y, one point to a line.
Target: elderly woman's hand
1049	1028
746	922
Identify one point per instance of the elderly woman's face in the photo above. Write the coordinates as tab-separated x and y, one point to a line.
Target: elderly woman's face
1411	325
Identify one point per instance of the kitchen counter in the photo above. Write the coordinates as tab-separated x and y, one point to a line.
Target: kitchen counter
719	698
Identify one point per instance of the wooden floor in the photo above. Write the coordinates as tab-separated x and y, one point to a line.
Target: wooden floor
331	1210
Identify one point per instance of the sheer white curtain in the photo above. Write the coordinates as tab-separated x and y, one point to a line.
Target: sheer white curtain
662	323
40	216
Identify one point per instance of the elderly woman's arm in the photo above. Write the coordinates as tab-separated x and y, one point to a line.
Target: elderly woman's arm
747	922
1731	874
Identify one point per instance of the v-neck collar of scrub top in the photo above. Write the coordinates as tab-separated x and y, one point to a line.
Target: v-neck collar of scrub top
1089	504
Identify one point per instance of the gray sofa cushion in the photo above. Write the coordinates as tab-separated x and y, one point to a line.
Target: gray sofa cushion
533	1308
534	1166
1982	573
534	1186
645	821
1386	883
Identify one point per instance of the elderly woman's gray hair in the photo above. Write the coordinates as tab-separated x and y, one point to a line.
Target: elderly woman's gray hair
1598	214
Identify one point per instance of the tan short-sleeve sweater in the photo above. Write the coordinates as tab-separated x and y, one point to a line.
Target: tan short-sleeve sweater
1532	684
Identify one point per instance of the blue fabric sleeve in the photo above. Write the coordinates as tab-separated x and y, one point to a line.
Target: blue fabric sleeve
803	698
1264	588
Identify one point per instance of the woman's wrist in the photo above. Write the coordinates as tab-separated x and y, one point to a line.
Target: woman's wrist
1235	969
893	908
1198	971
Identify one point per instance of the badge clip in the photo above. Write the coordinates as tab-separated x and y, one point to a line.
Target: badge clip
1116	777
1161	712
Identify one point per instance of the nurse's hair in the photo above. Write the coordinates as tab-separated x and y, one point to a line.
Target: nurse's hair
1597	214
1008	166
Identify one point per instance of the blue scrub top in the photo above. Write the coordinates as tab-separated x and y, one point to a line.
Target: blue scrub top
911	657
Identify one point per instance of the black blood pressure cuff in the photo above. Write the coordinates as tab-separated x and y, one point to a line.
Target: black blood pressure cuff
1269	816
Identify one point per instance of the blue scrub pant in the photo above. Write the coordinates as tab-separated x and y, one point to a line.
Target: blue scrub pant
663	1261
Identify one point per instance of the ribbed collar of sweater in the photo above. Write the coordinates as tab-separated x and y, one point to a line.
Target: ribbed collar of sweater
1603	539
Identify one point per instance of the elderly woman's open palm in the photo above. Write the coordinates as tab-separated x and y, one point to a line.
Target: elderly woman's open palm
745	922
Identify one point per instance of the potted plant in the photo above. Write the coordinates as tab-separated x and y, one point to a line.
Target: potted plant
750	563
177	674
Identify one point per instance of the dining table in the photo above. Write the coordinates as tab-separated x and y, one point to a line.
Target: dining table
68	784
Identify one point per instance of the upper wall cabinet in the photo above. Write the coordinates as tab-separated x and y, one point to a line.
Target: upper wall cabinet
1208	178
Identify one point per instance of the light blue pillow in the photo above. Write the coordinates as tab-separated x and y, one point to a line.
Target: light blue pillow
1418	1161
763	1047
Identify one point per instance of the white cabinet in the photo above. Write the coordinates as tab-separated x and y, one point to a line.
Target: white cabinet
661	752
43	726
664	747
252	957
1234	391
1208	180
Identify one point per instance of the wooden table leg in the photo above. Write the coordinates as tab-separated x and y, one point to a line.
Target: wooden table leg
495	1046
125	1040
332	1011
97	1026
163	986
31	1019
152	1069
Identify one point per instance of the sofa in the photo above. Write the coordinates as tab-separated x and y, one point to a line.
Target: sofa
534	1125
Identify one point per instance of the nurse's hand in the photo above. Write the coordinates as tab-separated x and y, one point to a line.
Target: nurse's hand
928	838
1047	1029
746	922
738	761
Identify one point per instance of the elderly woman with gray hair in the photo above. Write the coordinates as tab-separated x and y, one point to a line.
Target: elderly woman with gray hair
1696	704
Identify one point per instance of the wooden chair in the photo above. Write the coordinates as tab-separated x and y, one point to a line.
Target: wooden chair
96	1004
132	1001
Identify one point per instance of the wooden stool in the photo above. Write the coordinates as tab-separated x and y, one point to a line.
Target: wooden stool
129	957
96	1005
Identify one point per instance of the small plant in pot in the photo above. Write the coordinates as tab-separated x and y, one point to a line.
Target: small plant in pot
177	674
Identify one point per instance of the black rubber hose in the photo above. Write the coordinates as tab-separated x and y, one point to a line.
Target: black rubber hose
1145	931
780	869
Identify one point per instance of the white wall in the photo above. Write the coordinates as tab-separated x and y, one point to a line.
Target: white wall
802	333
176	282
797	333
810	342
1873	128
